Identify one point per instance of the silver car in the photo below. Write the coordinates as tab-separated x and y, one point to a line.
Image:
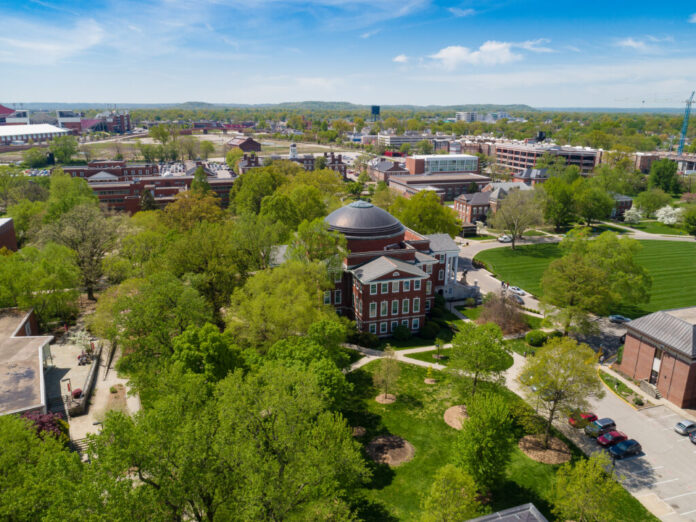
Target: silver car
685	427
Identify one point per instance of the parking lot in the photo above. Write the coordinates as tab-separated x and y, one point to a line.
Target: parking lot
663	476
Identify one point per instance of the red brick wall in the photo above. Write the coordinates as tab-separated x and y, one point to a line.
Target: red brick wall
371	245
676	381
366	299
637	358
7	237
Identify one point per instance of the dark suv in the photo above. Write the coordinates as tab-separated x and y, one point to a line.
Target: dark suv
600	427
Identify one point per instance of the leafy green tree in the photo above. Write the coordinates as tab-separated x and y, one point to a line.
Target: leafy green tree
485	443
308	200
232	158
313	241
250	188
383	197
28	219
387	372
586	492
478	351
207	351
518	212
147	200
424	147
200	181
256	239
9	179
423	213
453	497
651	200
191	208
559	202
206	149
86	231
160	133
148	151
663	175
405	148
279	208
65	193
562	377
35	158
258	313
63	148
320	163
591	201
689	219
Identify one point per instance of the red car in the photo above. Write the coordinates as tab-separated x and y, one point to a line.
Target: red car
579	420
611	438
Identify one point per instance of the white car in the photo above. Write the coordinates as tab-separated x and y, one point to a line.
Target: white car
505	239
516	290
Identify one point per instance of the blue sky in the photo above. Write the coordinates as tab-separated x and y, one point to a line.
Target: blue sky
560	54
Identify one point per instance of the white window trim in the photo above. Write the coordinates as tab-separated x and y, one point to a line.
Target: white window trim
417	284
415	324
441	274
405	306
428	287
373	309
404	322
416	305
383	285
395	301
373	286
384	308
327	297
395	287
373	328
407	285
383	327
338	297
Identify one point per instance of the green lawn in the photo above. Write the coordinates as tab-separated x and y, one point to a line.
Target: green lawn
428	356
670	263
396	493
655	227
482	237
530	233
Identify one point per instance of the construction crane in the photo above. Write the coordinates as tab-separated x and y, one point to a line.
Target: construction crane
685	125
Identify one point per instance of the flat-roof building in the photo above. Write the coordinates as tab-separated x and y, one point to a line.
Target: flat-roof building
520	156
448	186
23	133
442	164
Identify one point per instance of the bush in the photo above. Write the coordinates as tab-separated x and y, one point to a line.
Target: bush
436	312
365	339
470	302
536	338
638	401
401	333
440	301
525	419
476	263
112	389
619	354
430	330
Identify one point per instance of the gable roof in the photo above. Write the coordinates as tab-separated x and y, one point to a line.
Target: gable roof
477	198
442	243
674	328
103	176
384	265
386	165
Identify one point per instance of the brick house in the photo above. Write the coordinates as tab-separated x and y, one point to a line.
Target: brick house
531	176
391	275
472	207
621	205
8	239
660	349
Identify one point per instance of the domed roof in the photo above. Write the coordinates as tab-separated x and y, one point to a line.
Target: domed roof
361	219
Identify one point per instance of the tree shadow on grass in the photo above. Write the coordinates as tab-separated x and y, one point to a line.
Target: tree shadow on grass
371	510
509	494
409	400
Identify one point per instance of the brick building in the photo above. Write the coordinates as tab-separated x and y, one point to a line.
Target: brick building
382	170
518	157
472	207
306	161
531	176
245	144
391	275
122	170
660	349
8	239
448	186
621	205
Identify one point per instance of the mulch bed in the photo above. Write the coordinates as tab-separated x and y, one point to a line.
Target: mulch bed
385	398
390	450
533	447
455	416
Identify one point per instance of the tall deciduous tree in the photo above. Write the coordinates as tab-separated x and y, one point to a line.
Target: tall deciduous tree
485	443
313	241
592	202
66	192
387	372
453	497
518	212
423	213
206	149
561	376
651	200
200	181
90	234
559	202
478	351
207	351
63	148
191	208
663	175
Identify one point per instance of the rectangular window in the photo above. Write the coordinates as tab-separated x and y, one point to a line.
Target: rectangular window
395	287
373	328
428	269
416	324
327	297
416	305
404	322
417	284
338	297
404	306
384	308
440	275
338	276
407	286
427	305
373	289
382	328
395	307
441	257
360	307
373	309
428	287
385	288
394	325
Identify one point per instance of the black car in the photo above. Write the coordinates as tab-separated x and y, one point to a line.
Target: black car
625	448
600	427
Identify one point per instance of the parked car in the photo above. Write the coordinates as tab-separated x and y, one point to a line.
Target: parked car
619	319
685	427
581	419
517	299
600	427
625	448
516	290
610	438
505	239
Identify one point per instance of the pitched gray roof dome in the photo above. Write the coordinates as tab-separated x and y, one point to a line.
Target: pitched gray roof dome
361	219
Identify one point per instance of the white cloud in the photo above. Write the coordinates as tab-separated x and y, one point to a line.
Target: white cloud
692	19
632	43
369	34
23	42
461	13
535	46
402	58
573	48
490	53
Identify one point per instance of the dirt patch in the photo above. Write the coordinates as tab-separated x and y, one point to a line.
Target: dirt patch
455	416
533	447
117	399
390	450
439	357
359	431
429	381
385	398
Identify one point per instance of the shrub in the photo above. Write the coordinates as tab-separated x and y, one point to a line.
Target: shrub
401	333
638	401
49	423
112	389
365	339
619	354
430	330
436	312
536	338
526	421
440	301
470	302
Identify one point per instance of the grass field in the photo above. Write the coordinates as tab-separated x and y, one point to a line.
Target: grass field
655	227
417	416
670	263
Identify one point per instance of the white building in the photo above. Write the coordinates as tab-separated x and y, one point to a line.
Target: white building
24	133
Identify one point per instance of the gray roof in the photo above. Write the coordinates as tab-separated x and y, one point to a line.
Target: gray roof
385	165
442	243
361	219
6	221
102	176
384	265
523	513
477	198
621	197
533	174
422	257
507	185
673	328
